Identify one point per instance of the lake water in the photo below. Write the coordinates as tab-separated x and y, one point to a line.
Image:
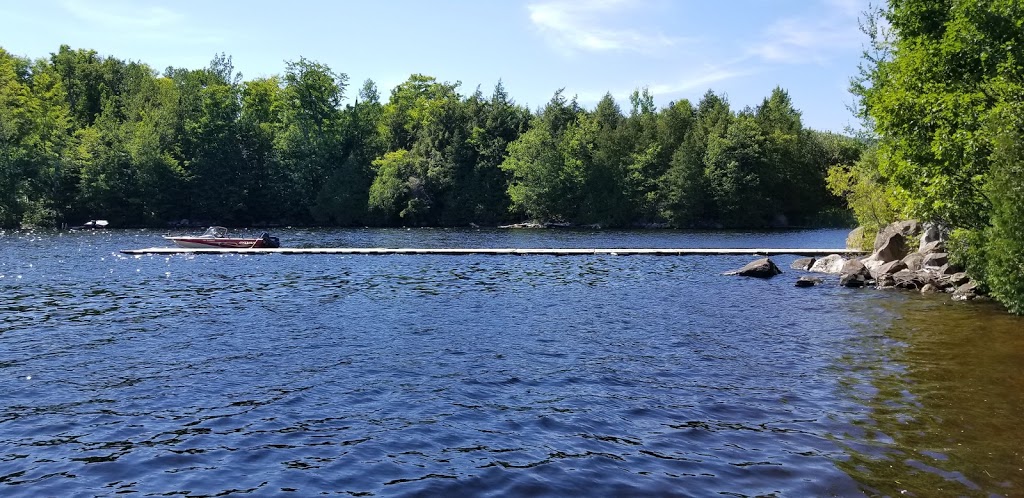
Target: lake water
266	375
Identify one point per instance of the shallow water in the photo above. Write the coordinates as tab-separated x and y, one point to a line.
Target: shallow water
490	375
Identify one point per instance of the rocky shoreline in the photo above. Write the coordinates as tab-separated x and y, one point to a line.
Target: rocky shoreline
907	255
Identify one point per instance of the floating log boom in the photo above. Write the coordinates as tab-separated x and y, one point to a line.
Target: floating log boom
502	251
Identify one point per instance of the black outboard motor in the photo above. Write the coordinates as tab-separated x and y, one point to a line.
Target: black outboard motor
271	242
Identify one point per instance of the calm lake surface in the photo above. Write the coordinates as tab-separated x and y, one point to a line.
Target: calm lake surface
266	375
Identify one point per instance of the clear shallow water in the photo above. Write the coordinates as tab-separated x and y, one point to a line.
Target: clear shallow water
490	375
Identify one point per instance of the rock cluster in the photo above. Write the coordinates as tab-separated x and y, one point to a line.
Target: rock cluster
907	255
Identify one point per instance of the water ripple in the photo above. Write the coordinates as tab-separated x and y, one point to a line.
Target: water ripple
439	375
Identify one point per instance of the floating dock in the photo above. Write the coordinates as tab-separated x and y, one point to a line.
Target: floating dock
502	251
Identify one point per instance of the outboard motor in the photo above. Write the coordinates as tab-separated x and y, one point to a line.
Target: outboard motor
271	242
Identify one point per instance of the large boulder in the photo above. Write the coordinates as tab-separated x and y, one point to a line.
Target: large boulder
907	228
906	279
934	246
931	233
833	263
935	260
804	264
894	247
889	268
914	261
855	239
761	268
854	274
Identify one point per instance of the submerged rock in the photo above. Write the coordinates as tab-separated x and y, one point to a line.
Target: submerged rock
808	281
966	292
761	268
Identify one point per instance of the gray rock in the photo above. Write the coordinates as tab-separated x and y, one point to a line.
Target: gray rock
889	268
908	228
761	268
934	260
804	264
885	282
929	289
833	263
966	292
906	279
893	248
808	281
931	233
959	279
853	280
855	239
914	261
854	274
934	246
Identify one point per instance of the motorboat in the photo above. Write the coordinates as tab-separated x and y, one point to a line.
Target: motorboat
91	225
217	238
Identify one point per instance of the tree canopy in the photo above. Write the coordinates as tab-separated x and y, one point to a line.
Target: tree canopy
83	135
942	86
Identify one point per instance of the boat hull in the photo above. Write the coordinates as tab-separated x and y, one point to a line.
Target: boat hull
214	243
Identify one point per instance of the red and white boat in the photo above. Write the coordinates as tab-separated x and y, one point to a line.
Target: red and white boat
217	238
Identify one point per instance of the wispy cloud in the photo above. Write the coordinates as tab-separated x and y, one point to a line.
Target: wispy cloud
142	22
584	26
700	81
121	16
812	39
688	83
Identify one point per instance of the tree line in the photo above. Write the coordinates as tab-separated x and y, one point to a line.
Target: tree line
88	136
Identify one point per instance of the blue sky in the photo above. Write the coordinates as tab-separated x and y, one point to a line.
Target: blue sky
677	48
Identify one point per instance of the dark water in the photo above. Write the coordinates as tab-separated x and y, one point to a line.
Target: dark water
490	375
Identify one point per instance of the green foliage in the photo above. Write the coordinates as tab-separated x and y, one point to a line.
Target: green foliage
866	191
89	136
1004	272
396	191
942	87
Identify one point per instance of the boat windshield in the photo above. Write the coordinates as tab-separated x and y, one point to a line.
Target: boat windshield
216	233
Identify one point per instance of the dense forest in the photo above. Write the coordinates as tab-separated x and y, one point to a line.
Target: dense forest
941	89
85	136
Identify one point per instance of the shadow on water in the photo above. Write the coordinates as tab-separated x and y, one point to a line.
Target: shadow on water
944	385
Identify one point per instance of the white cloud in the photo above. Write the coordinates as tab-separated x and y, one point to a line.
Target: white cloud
122	16
696	82
140	22
583	25
688	83
812	39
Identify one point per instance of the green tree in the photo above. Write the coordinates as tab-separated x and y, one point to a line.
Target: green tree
942	88
311	141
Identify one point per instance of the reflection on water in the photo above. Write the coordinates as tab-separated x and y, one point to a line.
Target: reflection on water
501	375
944	389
